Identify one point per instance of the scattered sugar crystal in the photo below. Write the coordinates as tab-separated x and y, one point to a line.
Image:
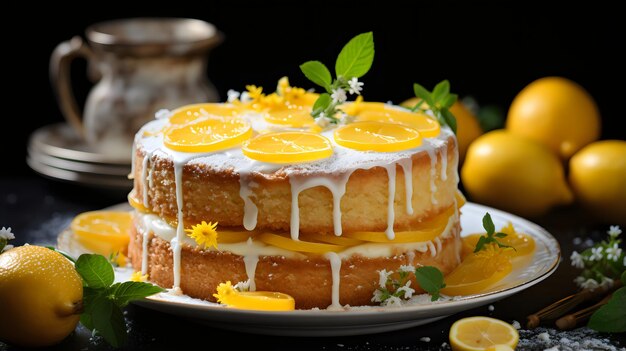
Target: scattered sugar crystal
577	241
425	339
516	325
545	337
553	348
340	345
491	308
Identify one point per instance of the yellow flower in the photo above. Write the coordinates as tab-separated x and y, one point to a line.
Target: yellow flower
137	277
293	94
272	101
508	229
283	84
256	93
204	234
224	292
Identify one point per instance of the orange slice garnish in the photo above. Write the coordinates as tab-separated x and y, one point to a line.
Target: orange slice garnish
103	232
288	147
377	136
208	135
380	112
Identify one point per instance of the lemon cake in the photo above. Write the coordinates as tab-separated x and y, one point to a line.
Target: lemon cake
258	191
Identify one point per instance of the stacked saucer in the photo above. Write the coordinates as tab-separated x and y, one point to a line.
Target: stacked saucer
56	151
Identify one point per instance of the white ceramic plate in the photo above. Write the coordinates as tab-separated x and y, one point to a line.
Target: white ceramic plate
367	320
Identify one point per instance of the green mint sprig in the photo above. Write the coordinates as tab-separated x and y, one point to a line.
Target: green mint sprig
397	285
353	62
439	101
103	301
430	279
611	318
491	236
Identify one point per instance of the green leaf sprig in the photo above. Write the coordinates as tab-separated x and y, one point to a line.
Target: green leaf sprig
103	301
428	277
491	236
353	62
438	101
611	318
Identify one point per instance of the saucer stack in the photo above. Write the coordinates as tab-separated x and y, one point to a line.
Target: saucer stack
57	152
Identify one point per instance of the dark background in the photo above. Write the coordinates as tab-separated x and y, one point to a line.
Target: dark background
488	51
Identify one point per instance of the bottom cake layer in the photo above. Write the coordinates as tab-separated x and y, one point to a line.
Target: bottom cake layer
308	279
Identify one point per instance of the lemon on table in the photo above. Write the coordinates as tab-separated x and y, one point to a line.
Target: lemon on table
41	296
212	134
377	136
556	112
103	232
381	112
598	178
515	174
254	300
482	333
288	147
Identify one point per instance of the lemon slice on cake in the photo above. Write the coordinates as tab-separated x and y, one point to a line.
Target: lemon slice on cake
377	136
291	116
208	135
380	112
288	147
190	113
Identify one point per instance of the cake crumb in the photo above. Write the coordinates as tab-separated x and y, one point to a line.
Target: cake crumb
491	308
274	264
425	339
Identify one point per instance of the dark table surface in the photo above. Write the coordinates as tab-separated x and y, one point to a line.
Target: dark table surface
38	209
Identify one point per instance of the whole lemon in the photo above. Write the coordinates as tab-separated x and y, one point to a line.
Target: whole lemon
556	112
41	296
598	178
468	127
514	173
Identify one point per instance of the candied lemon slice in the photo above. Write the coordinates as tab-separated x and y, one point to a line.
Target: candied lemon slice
380	112
208	135
291	116
134	203
377	136
288	147
229	237
482	333
478	272
522	243
333	239
189	113
300	246
103	232
254	300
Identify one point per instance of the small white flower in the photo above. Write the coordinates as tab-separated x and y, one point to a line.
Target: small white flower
242	286
383	276
393	301
614	231
407	268
322	121
577	260
7	248
378	296
408	292
607	282
579	280
589	284
245	97
355	86
346	119
162	113
339	95
613	253
5	233
596	254
232	95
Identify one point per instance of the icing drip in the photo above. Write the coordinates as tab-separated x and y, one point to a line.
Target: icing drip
250	211
410	257
433	250
132	159
433	173
144	252
407	169
180	229
144	178
444	163
335	267
336	185
438	243
251	262
391	172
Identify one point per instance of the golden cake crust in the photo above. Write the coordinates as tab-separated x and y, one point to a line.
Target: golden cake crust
212	194
308	281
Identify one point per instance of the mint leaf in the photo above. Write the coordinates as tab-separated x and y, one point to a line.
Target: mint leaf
317	73
611	318
108	321
321	104
356	57
95	270
430	279
123	293
423	94
449	119
480	244
441	90
449	100
488	224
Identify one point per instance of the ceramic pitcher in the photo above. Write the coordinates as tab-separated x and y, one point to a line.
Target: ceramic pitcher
141	65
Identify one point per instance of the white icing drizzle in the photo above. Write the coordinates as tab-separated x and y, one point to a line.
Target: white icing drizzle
144	252
438	243
391	172
250	262
431	247
337	186
410	257
180	229
132	159
335	267
144	178
407	169
444	162
433	173
250	211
